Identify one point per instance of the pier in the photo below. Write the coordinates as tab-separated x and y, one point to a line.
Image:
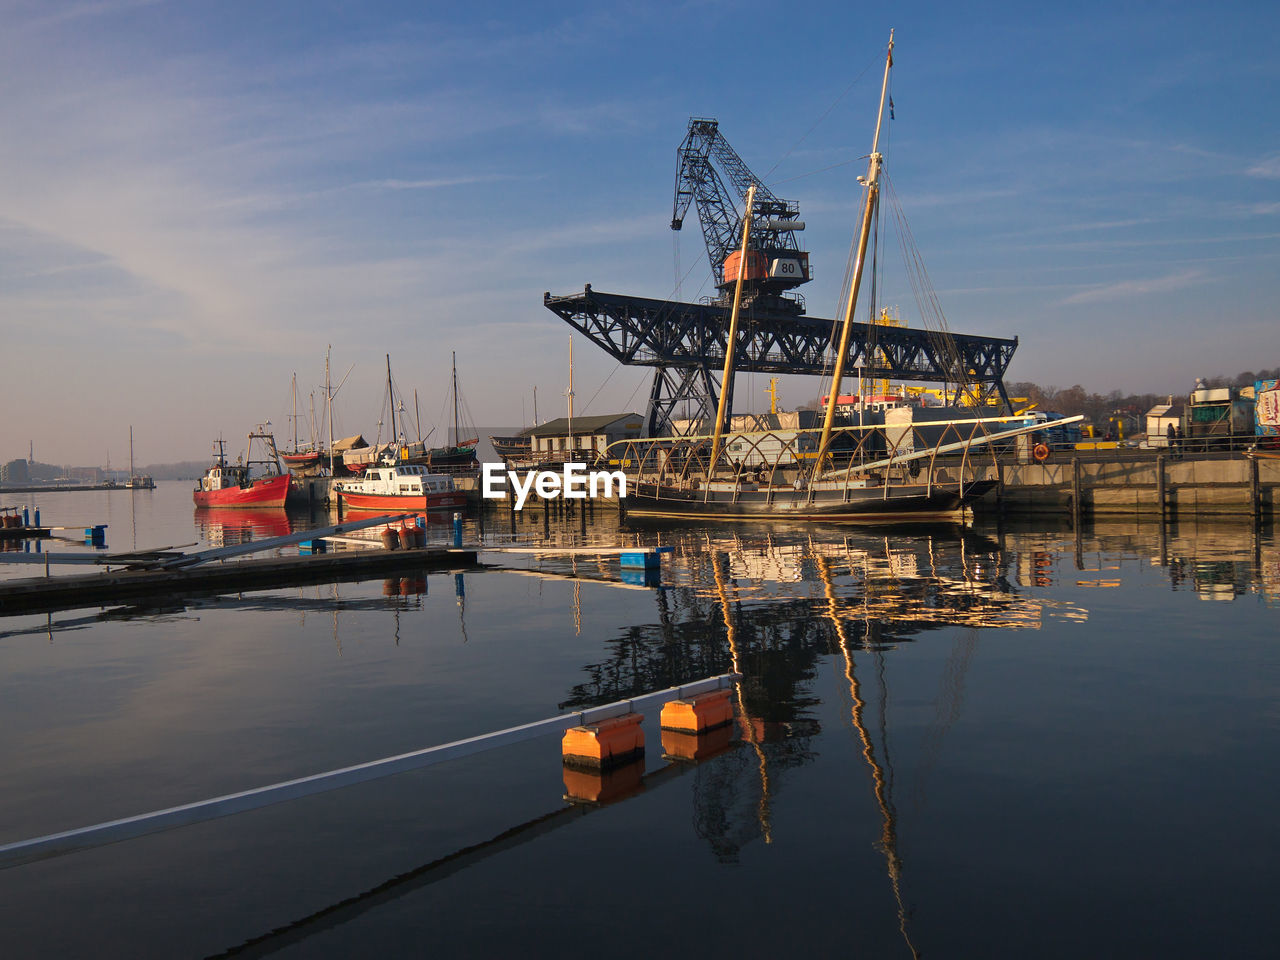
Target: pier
46	594
1237	487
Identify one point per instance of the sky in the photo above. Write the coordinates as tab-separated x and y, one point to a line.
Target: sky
198	199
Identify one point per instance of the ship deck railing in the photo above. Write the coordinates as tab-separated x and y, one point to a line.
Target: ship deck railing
783	461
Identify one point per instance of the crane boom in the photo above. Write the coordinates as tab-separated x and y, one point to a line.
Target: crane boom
775	261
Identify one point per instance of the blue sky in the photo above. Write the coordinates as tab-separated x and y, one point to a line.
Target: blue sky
197	197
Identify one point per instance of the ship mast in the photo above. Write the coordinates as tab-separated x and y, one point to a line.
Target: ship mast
328	402
872	183
456	432
391	403
726	379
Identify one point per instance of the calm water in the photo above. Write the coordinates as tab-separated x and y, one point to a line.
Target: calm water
1009	743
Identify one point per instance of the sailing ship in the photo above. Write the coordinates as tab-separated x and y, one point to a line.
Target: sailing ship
887	471
458	457
307	460
515	448
227	484
137	481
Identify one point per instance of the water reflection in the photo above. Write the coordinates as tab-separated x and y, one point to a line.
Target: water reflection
227	528
774	608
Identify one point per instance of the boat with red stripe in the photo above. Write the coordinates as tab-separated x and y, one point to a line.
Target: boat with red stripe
402	487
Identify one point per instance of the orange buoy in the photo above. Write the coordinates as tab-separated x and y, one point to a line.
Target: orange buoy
1040	452
697	714
609	743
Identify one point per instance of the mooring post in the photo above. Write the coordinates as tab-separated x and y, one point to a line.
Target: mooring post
1000	505
1255	493
1075	492
1164	533
1160	486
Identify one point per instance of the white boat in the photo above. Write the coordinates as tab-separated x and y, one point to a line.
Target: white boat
403	487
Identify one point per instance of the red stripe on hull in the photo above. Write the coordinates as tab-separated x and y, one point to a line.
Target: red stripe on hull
264	492
404	504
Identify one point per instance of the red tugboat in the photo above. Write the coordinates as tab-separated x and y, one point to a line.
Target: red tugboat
232	485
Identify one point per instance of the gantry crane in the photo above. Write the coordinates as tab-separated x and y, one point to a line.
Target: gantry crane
775	262
685	343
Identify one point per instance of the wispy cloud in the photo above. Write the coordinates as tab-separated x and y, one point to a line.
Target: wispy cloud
435	184
1136	288
1268	169
71	12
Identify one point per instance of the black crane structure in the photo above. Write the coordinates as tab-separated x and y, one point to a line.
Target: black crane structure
685	343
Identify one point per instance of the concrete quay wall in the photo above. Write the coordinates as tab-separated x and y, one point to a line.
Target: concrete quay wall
1227	487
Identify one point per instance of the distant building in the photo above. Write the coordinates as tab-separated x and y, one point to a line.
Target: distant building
1160	418
15	471
590	436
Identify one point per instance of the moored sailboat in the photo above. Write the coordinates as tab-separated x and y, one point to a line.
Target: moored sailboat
137	481
886	471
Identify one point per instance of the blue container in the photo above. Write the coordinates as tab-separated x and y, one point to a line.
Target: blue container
640	560
308	547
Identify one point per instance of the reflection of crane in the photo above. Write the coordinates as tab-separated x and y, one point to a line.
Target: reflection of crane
775	262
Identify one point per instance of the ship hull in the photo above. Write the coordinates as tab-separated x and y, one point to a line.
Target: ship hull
404	503
309	464
897	504
263	492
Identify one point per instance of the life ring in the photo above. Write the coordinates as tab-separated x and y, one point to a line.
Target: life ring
1040	452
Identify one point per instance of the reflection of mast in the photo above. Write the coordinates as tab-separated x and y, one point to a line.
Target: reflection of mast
337	640
889	828
577	607
744	719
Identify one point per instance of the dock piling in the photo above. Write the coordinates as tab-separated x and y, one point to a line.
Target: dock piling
1160	506
1075	493
1255	494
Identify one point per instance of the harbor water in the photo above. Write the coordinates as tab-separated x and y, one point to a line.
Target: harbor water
995	741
